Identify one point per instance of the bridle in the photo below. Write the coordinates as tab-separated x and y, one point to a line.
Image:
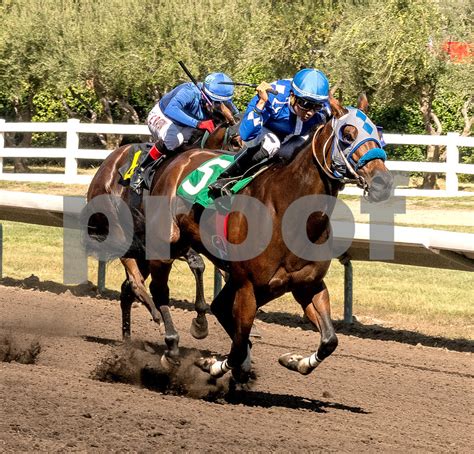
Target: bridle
337	155
231	132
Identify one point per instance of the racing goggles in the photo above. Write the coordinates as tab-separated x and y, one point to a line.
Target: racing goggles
308	104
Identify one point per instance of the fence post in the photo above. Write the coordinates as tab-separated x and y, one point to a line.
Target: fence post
101	276
72	145
348	286
2	143
1	251
452	160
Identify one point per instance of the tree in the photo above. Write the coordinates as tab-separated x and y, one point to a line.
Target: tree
24	58
393	51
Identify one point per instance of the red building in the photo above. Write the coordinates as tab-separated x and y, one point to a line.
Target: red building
459	52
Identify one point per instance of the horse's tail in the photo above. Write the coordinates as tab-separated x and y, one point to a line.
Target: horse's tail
107	230
112	236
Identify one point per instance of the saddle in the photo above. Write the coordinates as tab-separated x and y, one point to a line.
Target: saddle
194	187
136	155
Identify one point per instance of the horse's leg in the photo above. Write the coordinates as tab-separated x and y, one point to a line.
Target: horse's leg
127	297
137	287
318	311
235	309
199	326
221	307
161	296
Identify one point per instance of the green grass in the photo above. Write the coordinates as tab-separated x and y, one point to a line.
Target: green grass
427	300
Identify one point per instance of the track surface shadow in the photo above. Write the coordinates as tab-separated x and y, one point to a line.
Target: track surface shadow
268	400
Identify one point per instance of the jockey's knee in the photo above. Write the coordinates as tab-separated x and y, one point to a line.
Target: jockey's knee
172	137
172	142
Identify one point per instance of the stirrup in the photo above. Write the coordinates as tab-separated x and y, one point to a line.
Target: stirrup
220	187
136	181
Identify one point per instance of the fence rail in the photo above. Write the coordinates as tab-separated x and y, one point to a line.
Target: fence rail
72	153
411	246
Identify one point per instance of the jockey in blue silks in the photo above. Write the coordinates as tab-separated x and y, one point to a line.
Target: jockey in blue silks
279	123
179	113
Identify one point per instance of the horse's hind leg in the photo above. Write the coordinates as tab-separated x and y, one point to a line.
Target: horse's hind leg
127	297
137	272
318	310
161	296
199	326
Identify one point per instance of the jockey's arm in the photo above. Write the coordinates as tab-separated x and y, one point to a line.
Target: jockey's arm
176	108
253	120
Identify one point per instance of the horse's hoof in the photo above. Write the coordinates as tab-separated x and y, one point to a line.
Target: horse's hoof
254	332
213	366
168	363
205	364
199	330
297	363
241	376
290	361
236	386
156	316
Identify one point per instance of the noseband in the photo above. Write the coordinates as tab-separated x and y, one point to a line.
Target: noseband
338	163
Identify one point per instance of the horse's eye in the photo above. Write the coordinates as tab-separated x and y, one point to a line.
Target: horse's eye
347	138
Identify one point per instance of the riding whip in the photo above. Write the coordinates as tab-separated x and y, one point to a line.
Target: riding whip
193	80
244	84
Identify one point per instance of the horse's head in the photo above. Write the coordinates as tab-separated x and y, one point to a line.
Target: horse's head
355	152
226	134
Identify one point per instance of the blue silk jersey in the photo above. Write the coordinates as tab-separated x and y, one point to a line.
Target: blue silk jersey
278	116
183	105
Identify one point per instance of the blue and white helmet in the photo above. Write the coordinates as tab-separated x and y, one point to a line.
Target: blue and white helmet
215	90
311	84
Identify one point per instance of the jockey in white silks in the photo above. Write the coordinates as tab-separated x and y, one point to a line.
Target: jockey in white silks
179	113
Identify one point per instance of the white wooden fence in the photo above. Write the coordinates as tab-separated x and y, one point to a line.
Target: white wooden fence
73	128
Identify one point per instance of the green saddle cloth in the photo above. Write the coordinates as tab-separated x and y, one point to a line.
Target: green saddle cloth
194	187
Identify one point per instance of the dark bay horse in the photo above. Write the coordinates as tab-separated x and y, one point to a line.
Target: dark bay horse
106	182
340	150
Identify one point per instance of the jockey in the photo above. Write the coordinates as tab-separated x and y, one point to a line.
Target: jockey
179	113
279	123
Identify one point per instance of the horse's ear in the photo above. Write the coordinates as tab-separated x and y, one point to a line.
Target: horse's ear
363	103
336	107
227	113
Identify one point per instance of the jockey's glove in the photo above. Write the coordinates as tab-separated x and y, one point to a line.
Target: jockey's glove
208	125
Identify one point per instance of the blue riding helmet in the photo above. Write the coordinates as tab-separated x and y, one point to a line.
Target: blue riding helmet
310	84
215	90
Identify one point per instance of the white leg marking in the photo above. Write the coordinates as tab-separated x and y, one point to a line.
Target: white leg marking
219	368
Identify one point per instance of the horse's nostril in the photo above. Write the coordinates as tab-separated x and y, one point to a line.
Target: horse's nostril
382	181
379	181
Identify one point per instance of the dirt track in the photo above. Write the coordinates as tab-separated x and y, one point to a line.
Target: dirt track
371	395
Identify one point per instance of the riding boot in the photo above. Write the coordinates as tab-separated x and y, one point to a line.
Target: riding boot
156	154
244	159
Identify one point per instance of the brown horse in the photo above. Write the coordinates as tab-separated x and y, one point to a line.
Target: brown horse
106	182
276	269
